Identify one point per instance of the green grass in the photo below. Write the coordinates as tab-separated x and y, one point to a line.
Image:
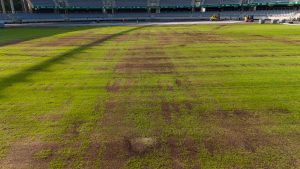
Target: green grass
214	96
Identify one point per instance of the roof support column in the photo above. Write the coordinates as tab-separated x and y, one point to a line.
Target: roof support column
12	6
24	6
3	6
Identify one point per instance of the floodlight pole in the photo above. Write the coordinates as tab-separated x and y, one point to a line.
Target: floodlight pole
3	6
12	6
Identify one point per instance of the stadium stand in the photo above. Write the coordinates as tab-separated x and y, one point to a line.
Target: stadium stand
230	2
131	3
43	3
4	17
84	4
83	10
34	17
211	2
174	14
176	3
271	1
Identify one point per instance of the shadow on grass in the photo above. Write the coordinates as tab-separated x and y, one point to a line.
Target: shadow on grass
11	36
21	76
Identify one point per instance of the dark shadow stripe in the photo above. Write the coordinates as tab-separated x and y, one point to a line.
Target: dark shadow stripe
48	33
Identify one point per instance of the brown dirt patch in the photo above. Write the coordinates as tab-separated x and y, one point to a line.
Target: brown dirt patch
50	117
128	84
175	153
115	155
241	114
170	86
178	82
110	134
22	155
188	105
145	63
176	108
110	105
192	148
92	154
279	111
191	37
170	108
113	124
113	86
234	140
236	130
280	40
113	131
101	69
150	58
166	110
73	131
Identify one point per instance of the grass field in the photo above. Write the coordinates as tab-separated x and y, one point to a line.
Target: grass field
211	96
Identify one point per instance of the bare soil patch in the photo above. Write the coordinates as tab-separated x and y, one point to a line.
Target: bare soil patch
178	82
22	155
92	154
188	104
115	155
101	69
280	40
128	84
113	86
237	129
191	37
175	152
176	108
145	63
279	111
50	117
166	110
73	131
113	131
192	148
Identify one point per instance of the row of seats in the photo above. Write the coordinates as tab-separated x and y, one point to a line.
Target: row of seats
140	3
176	3
45	3
4	17
84	3
114	3
261	14
265	14
272	1
230	1
131	3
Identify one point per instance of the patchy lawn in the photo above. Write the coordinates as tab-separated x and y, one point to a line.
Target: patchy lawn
210	96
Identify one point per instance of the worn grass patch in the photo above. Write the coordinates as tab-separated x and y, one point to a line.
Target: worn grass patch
212	96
